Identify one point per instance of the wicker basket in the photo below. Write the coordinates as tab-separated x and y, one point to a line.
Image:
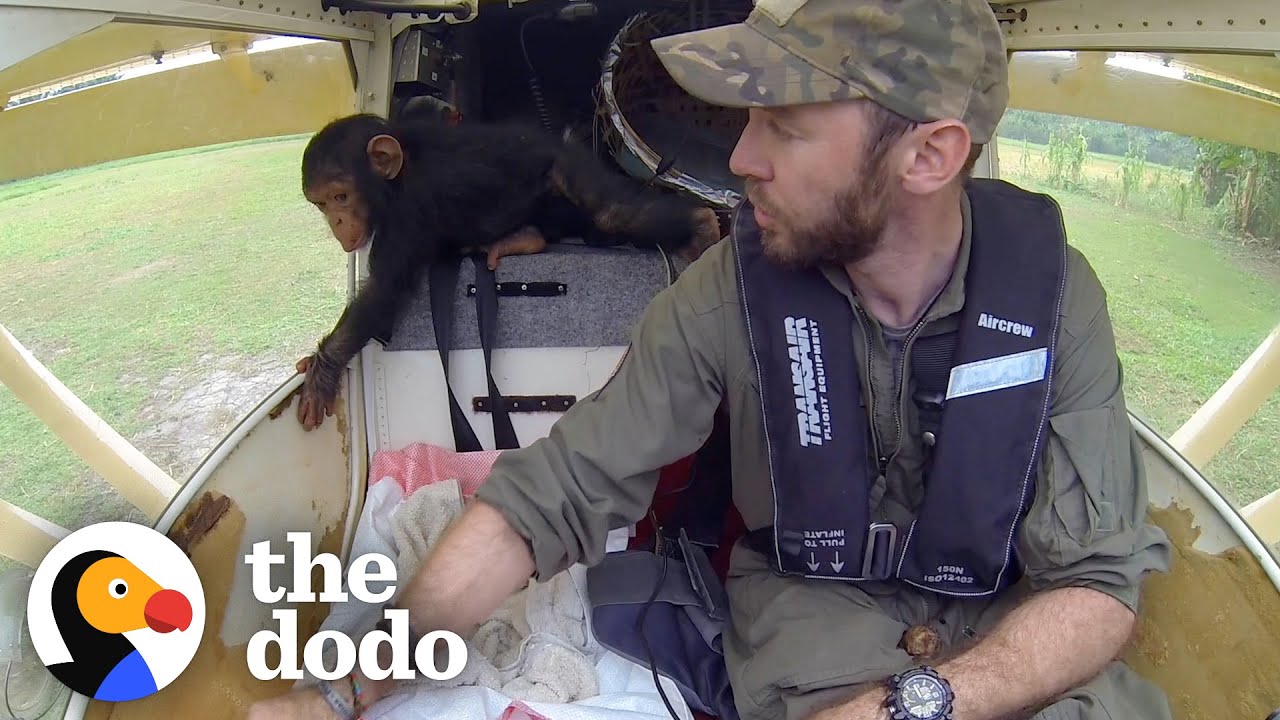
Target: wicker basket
645	118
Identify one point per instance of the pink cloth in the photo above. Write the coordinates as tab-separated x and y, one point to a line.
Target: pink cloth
519	711
420	464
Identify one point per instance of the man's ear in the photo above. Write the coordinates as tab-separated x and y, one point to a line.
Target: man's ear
386	156
936	156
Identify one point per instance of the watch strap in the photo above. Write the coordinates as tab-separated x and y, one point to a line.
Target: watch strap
338	703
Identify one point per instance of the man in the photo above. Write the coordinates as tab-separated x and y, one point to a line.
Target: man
862	254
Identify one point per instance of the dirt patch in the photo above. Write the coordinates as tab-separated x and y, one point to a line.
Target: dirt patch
1210	630
191	409
186	414
140	272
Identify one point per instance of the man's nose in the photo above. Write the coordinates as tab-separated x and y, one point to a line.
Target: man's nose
747	160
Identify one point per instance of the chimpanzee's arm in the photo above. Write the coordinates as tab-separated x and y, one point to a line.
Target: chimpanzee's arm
368	315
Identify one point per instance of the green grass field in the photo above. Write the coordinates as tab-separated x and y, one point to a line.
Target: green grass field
136	282
173	292
1189	305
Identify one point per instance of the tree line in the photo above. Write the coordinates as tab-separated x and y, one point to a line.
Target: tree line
1241	184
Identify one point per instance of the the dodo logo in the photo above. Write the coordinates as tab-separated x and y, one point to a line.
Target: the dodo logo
116	611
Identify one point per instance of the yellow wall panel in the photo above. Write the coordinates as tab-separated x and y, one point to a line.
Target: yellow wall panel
293	90
1087	87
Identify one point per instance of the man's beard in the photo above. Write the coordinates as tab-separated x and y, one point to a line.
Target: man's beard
847	232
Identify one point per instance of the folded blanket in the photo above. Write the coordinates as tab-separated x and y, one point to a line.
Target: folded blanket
506	653
537	646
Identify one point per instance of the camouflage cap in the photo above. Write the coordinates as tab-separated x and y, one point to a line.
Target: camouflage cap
925	59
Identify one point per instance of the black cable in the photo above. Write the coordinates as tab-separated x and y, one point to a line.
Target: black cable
648	651
535	86
569	12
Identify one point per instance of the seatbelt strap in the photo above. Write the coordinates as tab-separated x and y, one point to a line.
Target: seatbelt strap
504	434
444	282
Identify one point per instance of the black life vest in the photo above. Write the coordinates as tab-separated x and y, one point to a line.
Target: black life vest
990	428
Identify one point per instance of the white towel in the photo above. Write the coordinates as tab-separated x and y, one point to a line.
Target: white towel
625	689
537	645
420	521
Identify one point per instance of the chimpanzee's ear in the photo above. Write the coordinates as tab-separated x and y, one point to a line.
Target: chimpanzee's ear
386	156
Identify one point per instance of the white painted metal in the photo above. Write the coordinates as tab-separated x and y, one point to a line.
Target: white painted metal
26	31
285	17
1084	85
417	408
1226	25
400	22
232	443
282	478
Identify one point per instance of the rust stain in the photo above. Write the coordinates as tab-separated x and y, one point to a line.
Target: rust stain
340	421
196	521
284	404
1209	630
217	685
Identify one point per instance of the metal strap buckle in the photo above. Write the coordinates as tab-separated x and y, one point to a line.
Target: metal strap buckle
882	545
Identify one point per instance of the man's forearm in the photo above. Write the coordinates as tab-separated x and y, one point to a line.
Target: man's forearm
477	564
1053	642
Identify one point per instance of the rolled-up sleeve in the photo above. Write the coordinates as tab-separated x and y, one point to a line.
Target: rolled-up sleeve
1087	526
598	467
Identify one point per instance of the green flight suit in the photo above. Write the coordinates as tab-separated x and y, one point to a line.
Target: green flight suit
795	644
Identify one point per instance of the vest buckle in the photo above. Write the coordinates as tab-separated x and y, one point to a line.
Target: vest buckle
881	548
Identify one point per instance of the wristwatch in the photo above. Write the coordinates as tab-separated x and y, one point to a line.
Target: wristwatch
919	694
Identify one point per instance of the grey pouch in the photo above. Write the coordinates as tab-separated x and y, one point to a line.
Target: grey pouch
666	611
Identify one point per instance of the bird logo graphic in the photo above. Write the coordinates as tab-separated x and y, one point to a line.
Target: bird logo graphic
116	611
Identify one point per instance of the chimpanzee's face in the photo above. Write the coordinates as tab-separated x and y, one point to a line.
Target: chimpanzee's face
344	209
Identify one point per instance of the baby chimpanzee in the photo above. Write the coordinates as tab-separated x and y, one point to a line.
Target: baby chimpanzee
422	190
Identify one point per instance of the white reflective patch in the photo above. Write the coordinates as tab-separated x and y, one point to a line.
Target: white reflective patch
998	373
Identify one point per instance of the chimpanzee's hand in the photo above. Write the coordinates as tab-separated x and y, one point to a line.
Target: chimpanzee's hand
319	392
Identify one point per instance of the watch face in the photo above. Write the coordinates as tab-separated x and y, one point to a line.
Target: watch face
923	697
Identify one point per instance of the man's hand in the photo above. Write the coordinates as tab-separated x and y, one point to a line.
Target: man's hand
1052	643
306	704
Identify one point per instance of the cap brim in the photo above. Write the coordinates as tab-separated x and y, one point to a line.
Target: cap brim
736	66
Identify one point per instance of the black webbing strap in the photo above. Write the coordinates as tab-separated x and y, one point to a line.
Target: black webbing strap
931	370
443	280
504	434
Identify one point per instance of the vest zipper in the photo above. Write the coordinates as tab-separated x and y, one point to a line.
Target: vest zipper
882	462
903	381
